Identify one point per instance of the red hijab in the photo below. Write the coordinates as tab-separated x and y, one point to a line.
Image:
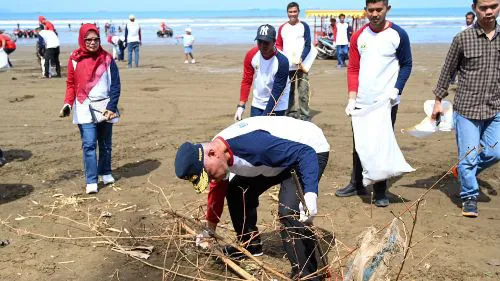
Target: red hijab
90	65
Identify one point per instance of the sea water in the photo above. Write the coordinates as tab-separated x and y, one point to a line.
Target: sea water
230	27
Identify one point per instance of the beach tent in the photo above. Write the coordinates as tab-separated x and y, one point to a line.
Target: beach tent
322	20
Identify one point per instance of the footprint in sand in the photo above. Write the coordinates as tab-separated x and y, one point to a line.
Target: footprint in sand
20	99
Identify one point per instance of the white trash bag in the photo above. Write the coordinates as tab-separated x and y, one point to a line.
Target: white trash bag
4	60
52	69
309	60
427	126
376	144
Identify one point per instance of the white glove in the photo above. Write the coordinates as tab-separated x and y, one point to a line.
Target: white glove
311	199
350	107
393	94
203	239
65	110
239	113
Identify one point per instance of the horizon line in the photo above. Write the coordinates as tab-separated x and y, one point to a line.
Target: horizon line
215	10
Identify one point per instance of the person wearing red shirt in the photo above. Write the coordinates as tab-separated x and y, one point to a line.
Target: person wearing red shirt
47	25
332	29
7	44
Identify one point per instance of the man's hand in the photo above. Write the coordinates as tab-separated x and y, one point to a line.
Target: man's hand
437	110
393	94
65	110
203	239
311	199
239	112
350	107
109	114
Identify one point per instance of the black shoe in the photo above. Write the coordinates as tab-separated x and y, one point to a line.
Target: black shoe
381	200
350	190
469	207
3	161
293	114
305	118
235	254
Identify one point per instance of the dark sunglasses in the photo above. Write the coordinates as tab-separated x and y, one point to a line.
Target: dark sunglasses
95	40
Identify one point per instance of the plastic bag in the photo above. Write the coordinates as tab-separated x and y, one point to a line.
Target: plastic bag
4	60
309	60
376	144
428	126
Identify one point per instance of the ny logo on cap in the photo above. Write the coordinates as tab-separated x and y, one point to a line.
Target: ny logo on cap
263	30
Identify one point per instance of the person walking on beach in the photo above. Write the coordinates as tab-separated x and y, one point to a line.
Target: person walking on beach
294	39
373	74
8	45
188	42
332	30
342	41
51	56
45	24
267	69
133	40
92	91
469	20
256	168
475	56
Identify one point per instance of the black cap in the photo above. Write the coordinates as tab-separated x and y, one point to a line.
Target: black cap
189	165
266	32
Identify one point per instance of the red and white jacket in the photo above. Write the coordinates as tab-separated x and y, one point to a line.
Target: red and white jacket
378	63
269	78
295	42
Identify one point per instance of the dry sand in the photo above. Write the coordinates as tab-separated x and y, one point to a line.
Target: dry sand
165	103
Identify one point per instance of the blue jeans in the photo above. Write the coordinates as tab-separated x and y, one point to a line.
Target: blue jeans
93	134
342	52
254	111
133	46
474	134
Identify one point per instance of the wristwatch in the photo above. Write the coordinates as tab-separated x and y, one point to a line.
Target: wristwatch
241	105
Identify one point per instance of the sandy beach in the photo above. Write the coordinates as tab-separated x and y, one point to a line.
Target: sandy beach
164	103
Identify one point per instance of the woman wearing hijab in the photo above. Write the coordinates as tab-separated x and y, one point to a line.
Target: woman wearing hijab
47	25
93	78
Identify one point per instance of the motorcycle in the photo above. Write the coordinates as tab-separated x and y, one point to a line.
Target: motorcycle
167	33
326	49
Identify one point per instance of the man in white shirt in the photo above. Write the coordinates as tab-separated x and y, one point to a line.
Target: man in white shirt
133	40
380	63
51	42
342	41
294	40
267	69
469	20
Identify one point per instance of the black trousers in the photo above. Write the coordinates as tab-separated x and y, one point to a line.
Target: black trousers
379	188
8	52
52	57
298	241
121	46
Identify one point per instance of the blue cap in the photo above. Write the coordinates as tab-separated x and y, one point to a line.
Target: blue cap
266	32
189	165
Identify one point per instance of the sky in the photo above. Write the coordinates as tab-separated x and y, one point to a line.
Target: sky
202	5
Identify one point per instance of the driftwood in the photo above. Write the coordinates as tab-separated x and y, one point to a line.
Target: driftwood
241	249
240	271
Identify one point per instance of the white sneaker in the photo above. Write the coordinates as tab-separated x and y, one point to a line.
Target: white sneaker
193	61
91	188
108	179
186	61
